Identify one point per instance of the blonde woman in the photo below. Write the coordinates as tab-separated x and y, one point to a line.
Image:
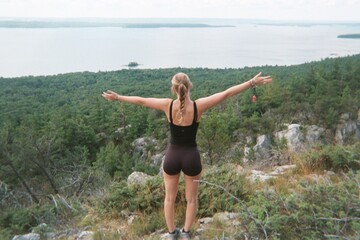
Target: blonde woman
182	154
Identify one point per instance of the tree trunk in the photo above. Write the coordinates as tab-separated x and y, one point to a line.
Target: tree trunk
23	182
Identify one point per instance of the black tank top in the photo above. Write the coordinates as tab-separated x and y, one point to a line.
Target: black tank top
183	135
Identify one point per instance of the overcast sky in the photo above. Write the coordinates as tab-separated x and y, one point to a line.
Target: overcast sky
336	10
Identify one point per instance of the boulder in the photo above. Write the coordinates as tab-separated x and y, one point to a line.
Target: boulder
261	176
347	128
138	178
158	159
313	135
30	236
294	137
262	147
282	169
85	235
144	147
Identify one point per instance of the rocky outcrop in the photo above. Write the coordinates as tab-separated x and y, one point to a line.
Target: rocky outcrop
157	159
144	148
256	175
294	137
313	135
30	236
138	178
347	129
262	147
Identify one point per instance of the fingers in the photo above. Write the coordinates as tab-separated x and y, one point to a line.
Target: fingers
258	75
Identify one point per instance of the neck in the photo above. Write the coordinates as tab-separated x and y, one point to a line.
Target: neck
187	98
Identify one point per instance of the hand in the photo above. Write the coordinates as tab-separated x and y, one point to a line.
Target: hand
258	80
110	95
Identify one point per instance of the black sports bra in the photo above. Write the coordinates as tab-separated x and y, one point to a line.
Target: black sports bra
183	135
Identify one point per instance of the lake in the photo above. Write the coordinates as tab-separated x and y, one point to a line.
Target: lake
47	51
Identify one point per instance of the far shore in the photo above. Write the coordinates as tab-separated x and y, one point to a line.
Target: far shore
353	35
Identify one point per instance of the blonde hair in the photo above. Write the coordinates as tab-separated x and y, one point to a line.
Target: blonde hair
181	85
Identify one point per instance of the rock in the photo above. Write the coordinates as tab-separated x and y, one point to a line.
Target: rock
144	147
158	159
294	137
249	140
261	176
347	128
313	135
247	151
282	169
262	147
30	236
226	216
85	235
206	220
131	219
138	178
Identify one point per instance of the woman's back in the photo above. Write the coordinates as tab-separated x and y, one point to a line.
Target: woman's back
188	113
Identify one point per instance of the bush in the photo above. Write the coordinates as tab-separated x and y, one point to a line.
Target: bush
22	220
334	158
316	211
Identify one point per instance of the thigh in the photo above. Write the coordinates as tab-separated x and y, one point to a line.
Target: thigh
191	186
171	185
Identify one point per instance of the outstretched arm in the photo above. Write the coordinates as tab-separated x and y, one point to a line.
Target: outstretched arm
154	103
213	100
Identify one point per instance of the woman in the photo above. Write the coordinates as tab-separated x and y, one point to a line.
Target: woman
183	116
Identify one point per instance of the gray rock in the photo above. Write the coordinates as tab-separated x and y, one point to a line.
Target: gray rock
206	220
30	236
313	135
282	169
144	147
247	151
262	147
85	235
226	216
261	176
347	128
294	137
138	178
158	159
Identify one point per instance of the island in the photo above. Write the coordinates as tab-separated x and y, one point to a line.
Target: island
132	64
354	35
95	24
173	25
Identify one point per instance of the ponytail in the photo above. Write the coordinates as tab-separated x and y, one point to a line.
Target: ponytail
182	93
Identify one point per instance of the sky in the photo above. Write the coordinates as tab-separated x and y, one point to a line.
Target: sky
307	10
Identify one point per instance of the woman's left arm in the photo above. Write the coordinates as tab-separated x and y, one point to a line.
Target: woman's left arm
154	103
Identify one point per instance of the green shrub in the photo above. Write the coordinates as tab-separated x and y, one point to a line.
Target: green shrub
334	158
22	220
318	210
213	199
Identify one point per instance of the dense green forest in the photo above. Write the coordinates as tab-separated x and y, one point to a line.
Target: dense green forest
60	141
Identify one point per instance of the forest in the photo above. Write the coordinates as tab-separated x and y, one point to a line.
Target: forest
66	152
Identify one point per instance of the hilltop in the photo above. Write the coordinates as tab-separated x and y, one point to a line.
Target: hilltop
66	154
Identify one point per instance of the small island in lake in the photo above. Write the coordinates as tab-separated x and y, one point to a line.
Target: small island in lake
355	35
132	64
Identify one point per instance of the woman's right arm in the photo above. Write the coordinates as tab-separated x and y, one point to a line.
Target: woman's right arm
154	103
206	103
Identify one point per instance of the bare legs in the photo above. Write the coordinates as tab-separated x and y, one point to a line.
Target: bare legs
171	189
191	188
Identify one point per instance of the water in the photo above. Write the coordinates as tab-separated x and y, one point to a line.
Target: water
60	50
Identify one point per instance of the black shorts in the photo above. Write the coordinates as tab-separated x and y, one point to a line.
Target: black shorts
181	158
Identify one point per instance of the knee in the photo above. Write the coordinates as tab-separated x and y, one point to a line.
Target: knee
192	200
170	199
